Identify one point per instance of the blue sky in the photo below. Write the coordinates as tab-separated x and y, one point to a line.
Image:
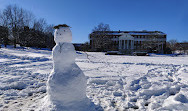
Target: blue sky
168	16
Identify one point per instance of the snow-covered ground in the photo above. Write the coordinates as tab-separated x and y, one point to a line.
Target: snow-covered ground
114	82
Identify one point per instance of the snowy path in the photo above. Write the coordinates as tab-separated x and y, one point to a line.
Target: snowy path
114	82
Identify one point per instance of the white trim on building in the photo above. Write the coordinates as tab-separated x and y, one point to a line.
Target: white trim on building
126	43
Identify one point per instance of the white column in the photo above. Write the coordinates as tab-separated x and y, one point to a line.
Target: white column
162	48
119	44
124	44
131	44
127	44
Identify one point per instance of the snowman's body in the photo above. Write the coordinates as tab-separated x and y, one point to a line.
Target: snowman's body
66	86
66	83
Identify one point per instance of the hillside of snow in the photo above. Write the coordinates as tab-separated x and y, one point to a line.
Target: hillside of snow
113	82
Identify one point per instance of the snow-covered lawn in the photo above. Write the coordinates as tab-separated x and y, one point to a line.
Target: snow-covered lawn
114	82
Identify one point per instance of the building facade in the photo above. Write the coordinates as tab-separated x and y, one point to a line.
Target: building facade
128	42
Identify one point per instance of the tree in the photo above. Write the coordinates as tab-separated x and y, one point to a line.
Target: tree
99	37
85	47
24	29
40	25
151	45
1	22
4	35
172	44
49	30
102	27
183	47
15	18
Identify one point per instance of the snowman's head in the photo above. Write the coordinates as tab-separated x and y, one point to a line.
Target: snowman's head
62	34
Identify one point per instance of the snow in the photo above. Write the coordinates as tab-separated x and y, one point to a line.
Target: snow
113	82
137	33
182	74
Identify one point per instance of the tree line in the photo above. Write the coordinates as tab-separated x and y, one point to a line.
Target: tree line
173	45
20	26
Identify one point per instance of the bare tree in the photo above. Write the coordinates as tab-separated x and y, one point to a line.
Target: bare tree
172	44
23	27
49	30
102	27
15	18
1	21
85	47
40	24
99	37
28	18
4	36
183	47
151	45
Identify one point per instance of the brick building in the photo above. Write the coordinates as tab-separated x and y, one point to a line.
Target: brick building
128	42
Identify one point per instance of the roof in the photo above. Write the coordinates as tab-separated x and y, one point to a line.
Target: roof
132	32
126	36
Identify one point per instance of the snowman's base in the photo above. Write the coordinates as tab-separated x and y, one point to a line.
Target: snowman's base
84	105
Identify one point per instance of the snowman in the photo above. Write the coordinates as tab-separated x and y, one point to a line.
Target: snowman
66	85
